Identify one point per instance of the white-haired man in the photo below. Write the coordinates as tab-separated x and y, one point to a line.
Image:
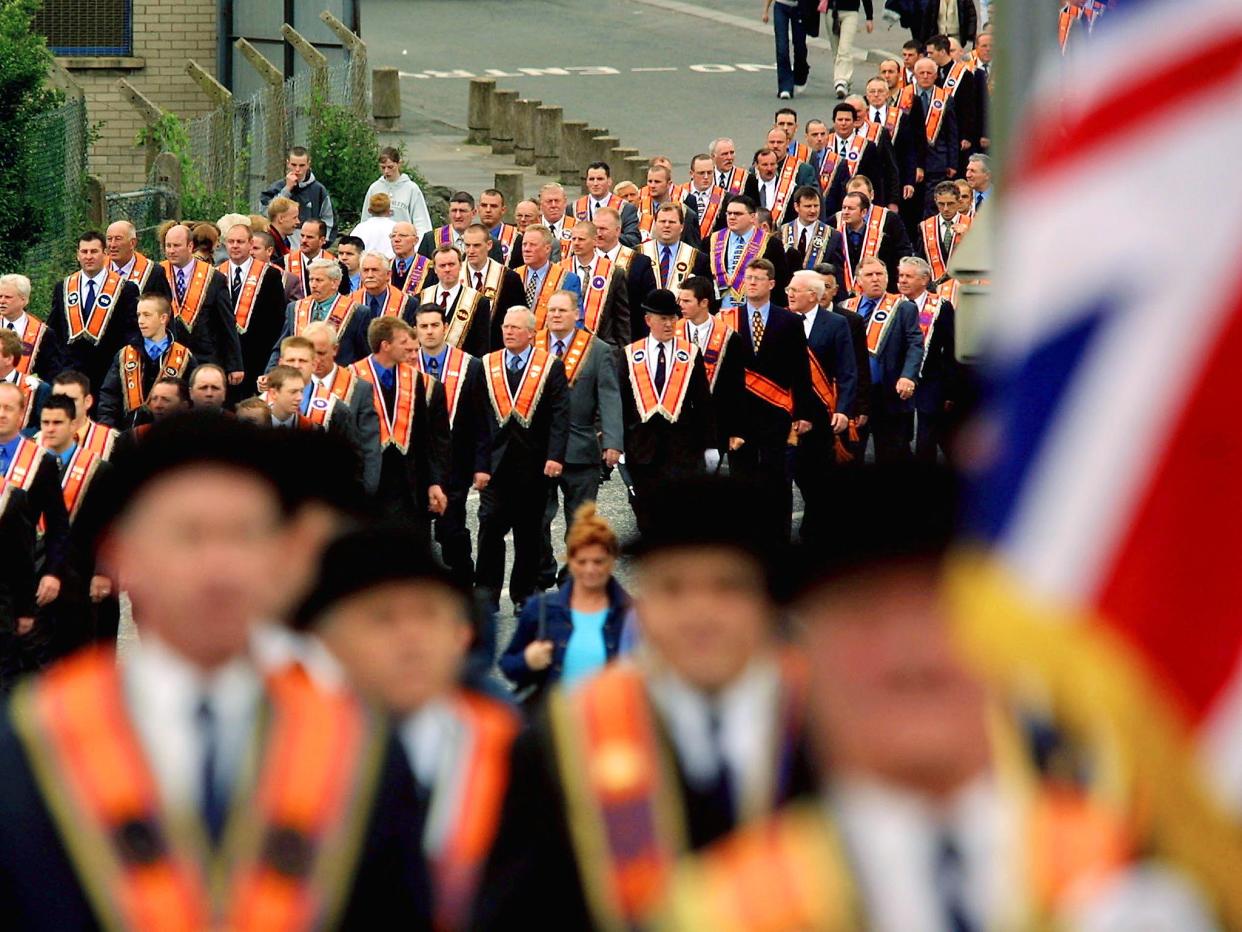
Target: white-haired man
939	380
326	303
42	351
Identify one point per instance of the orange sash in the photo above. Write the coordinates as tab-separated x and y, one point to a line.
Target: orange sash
321	407
736	180
680	268
338	318
876	219
929	313
480	791
713	353
551	284
456	362
460	315
24	465
140	271
505	234
394	300
396	427
105	301
583	210
1070	14
98	438
800	151
292	838
707	220
244	308
625	812
77	477
832	161
784	187
762	387
296	262
343	383
953	80
647	207
195	290
931	242
935	114
175	361
575	351
680	367
880	320
420	268
594	292
520	407
825	390
36	330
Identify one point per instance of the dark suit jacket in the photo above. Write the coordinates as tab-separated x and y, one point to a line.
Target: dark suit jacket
93	359
472	428
678	446
894	245
614	323
18	582
805	175
967	105
508	294
938	377
264	329
781	358
533	868
862	365
946	151
876	165
213	337
359	409
50	360
525	450
42	890
699	265
43	499
830	341
352	343
42	391
910	143
427	247
834	253
728	389
111	406
594	406
478	335
899	357
927	22
429	458
640	281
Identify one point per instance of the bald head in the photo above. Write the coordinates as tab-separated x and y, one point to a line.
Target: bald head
925	71
404	239
120	240
178	244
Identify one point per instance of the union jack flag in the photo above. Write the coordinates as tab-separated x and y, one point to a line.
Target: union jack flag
1108	459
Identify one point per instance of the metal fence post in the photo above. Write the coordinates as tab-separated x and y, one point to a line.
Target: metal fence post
277	135
358	73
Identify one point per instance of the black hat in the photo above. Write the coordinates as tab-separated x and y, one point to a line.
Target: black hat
881	515
182	441
372	556
323	468
709	511
663	303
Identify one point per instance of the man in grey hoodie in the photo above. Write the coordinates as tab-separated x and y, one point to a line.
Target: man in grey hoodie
300	186
408	203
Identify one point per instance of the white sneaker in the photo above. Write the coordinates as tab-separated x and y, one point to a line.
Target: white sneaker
842	89
785	95
800	88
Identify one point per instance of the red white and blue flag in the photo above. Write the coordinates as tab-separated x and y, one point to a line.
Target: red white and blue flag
1108	484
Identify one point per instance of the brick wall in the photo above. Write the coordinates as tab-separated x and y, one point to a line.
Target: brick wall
166	36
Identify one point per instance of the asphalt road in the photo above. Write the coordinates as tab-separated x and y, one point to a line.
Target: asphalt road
663	78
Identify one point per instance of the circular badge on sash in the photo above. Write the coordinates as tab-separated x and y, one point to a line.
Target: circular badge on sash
937	104
681	356
853	155
73	298
462	313
131	365
170	372
597	281
104	300
681	266
320	403
880	316
639	355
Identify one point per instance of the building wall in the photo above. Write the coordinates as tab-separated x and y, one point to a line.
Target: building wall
166	36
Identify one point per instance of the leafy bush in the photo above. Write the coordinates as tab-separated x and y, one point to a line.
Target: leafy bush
24	101
199	201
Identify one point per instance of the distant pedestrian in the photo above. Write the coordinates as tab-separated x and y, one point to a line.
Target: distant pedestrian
845	15
375	231
302	187
405	196
787	22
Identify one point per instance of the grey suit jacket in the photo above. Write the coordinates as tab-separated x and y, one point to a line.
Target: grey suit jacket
361	403
595	406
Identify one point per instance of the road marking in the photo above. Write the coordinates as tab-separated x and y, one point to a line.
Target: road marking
637	70
577	71
752	24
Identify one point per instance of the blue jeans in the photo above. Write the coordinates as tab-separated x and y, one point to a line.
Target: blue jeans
785	19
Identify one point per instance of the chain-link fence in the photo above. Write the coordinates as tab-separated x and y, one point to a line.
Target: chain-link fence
239	149
56	198
146	209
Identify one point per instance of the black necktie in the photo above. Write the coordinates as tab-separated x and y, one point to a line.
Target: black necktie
376	303
722	179
946	239
433	367
722	791
514	374
660	373
236	287
802	242
89	303
950	882
211	798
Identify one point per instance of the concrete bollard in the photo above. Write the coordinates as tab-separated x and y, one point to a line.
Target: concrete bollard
386	98
616	159
501	119
601	148
573	164
524	131
510	184
479	111
548	140
636	168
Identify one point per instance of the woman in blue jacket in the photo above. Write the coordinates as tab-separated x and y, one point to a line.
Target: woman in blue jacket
566	635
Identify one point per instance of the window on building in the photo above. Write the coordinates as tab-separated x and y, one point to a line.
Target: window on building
87	27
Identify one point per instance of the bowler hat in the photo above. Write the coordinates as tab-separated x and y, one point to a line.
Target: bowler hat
663	303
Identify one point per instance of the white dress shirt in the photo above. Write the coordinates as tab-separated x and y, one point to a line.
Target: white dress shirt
767	191
327	381
748	710
698	333
891	838
162	693
452	293
610	254
653	351
98	278
17	326
245	270
436	742
808	320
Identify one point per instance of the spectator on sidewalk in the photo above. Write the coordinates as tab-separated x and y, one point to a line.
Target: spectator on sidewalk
376	229
845	16
787	21
300	186
404	194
